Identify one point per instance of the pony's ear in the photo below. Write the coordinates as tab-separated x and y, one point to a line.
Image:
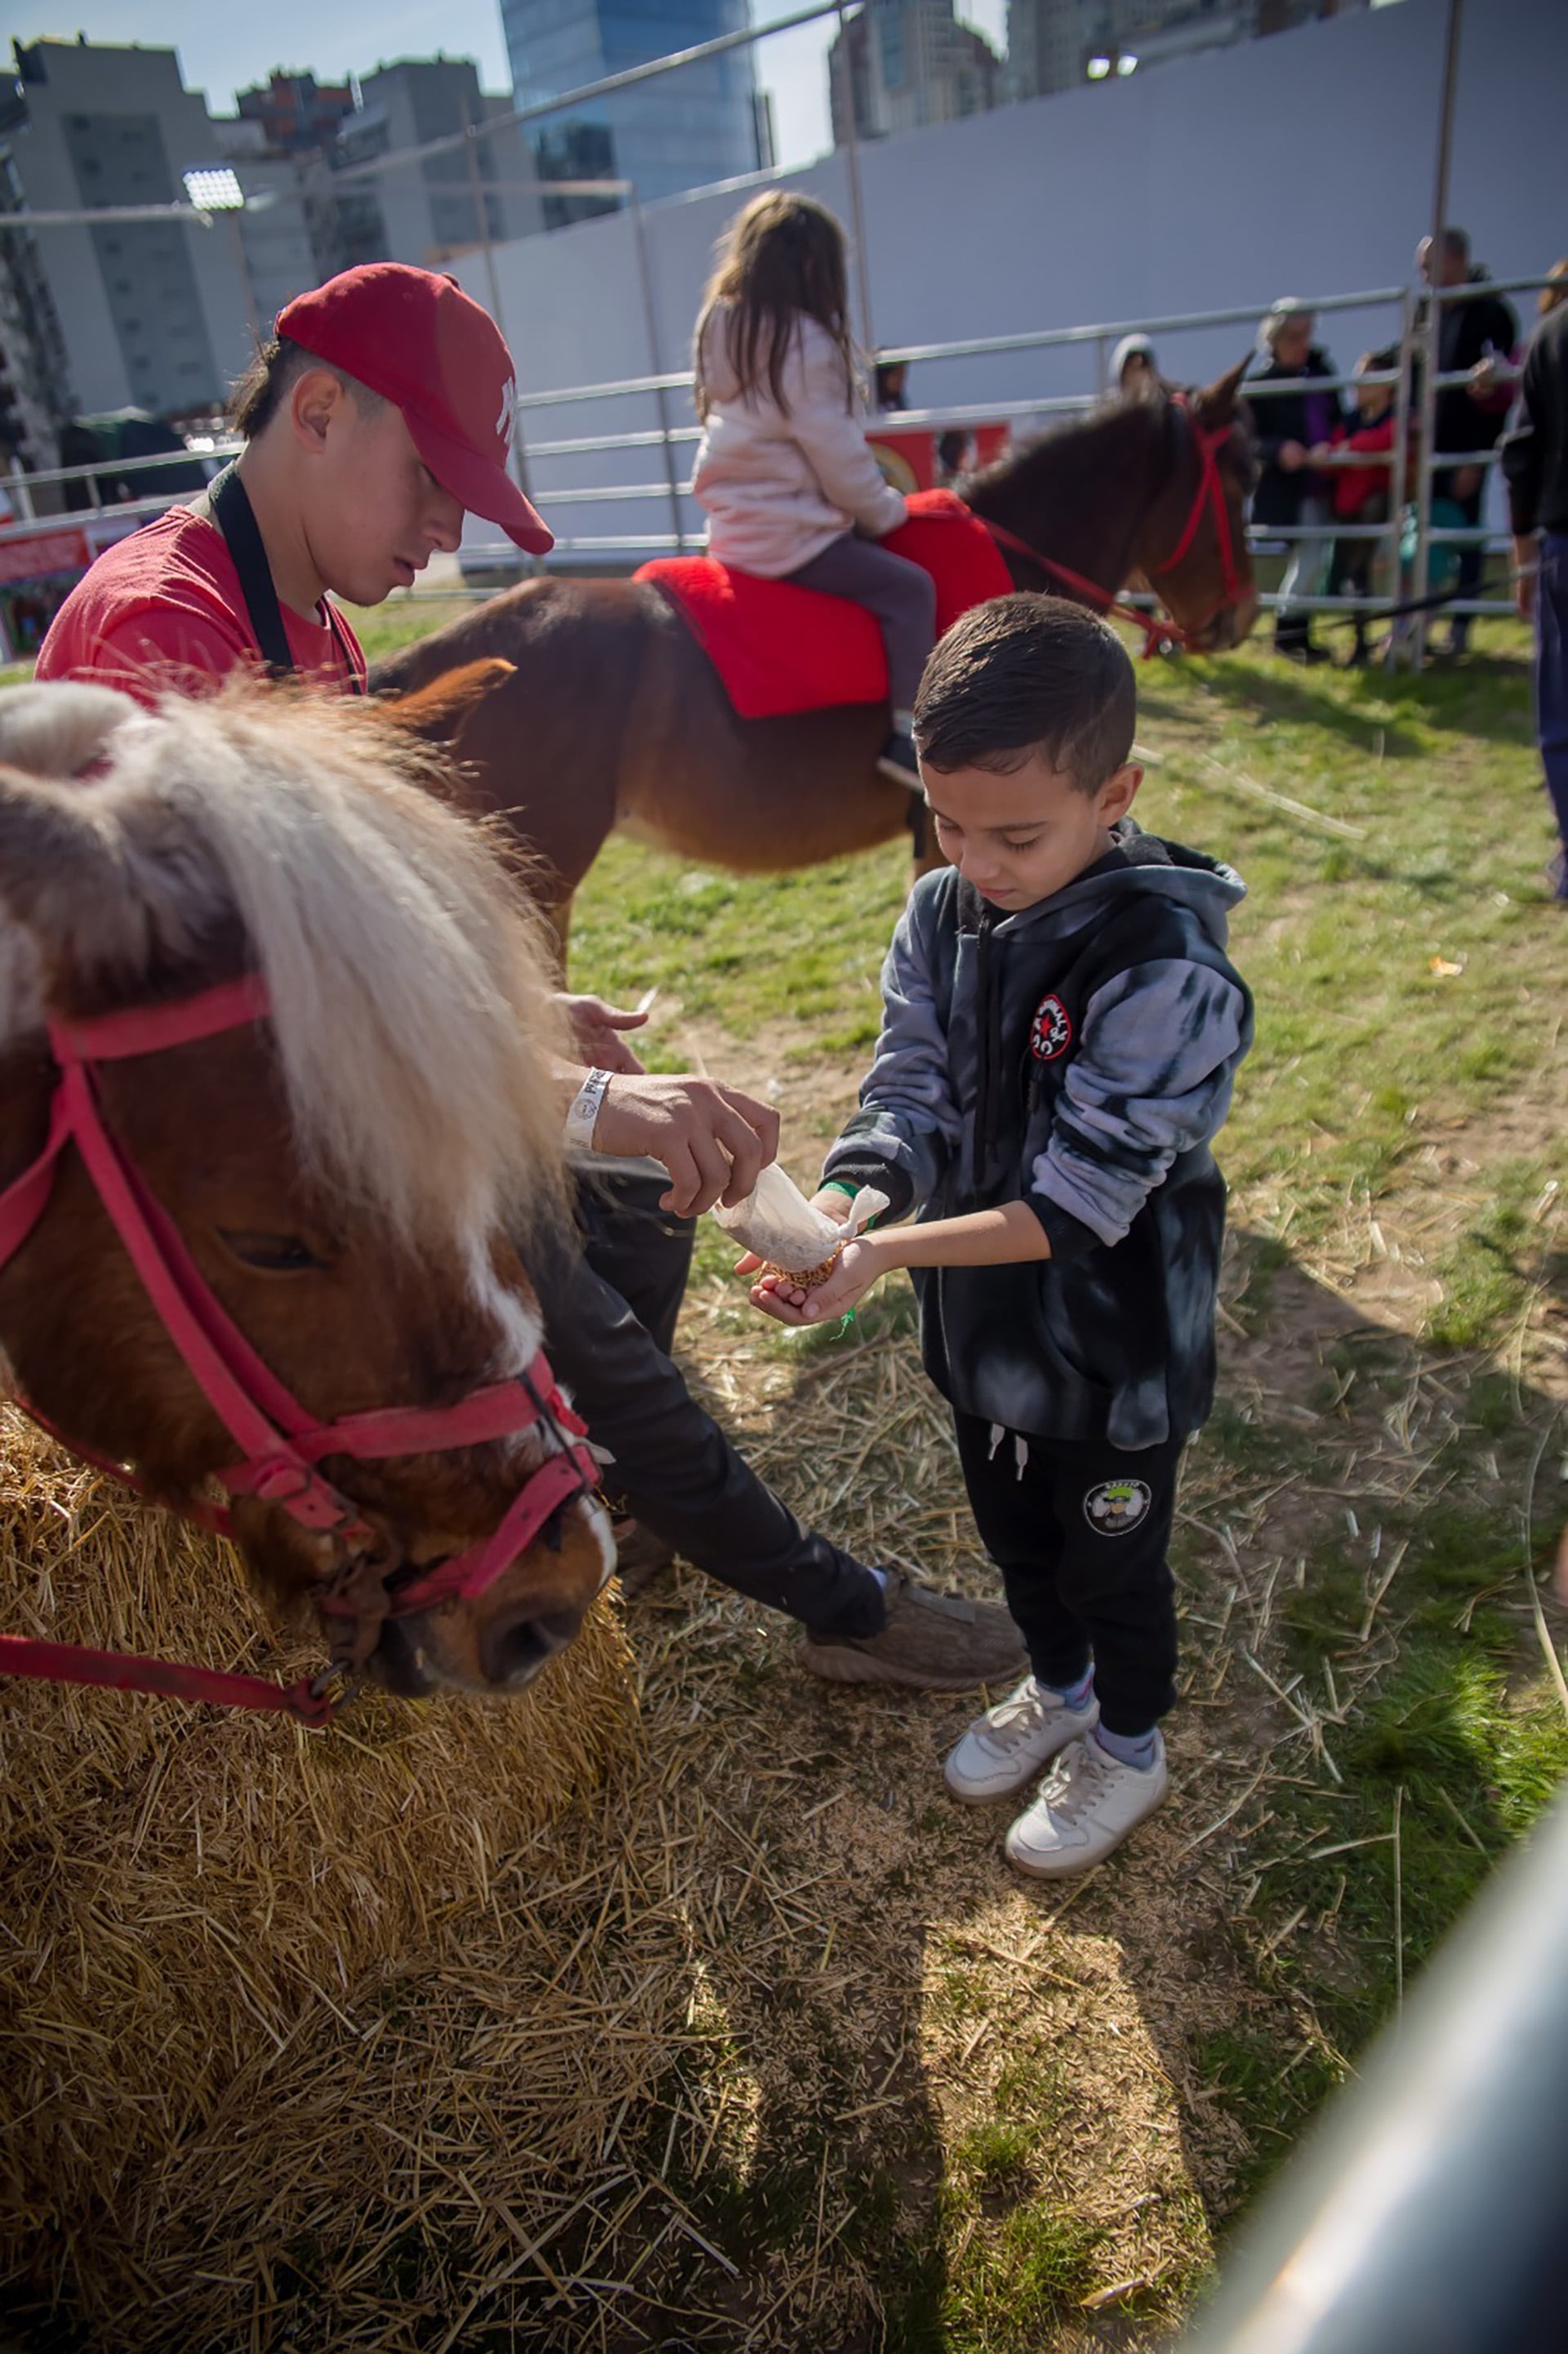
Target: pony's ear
104	916
58	730
1216	404
437	713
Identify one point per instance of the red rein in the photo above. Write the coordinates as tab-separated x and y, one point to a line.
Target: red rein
1210	494
282	1444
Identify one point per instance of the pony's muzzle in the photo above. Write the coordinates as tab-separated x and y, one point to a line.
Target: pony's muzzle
513	1648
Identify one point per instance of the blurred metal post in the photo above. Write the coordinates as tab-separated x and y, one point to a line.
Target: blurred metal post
1404	396
481	213
242	264
1433	338
481	227
651	317
857	207
1424	2215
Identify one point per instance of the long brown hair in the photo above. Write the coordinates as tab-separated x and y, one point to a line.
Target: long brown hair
784	254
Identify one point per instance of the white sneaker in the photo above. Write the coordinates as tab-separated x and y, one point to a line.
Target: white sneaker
1085	1807
1011	1740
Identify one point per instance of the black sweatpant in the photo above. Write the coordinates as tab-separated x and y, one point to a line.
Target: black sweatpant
902	595
609	1317
1080	1536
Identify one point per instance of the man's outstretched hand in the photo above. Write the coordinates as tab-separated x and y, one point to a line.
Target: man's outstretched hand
596	1032
713	1140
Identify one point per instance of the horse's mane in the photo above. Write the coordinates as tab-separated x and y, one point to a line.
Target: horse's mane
1092	443
1075	474
407	974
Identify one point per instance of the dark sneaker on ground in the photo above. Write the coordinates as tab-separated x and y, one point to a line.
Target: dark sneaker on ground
640	1555
932	1642
896	759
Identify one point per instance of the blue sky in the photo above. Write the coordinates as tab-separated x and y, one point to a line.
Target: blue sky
224	48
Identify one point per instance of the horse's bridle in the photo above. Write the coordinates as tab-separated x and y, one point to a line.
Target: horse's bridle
1209	495
282	1444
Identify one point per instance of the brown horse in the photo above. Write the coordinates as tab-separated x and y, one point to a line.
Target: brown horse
351	1176
608	713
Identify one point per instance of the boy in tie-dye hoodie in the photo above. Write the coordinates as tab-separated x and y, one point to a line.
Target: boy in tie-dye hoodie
1061	1032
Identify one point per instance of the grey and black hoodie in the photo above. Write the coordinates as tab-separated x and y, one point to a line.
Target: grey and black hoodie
1077	1056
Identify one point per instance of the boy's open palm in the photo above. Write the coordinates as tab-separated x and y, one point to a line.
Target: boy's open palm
854	1272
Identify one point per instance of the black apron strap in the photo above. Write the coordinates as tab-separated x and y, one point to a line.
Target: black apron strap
229	506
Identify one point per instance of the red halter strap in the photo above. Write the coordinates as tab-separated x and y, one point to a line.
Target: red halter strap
1210	494
282	1444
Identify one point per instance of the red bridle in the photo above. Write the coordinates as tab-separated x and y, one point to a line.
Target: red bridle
280	1443
1209	497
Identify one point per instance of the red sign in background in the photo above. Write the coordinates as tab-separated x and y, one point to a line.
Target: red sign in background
909	458
36	555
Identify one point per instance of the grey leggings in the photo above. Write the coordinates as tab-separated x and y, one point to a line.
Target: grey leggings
902	596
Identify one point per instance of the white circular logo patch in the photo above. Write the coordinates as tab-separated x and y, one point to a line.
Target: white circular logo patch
1116	1506
1051	1032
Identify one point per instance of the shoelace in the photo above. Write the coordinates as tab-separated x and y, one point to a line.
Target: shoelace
1011	1723
1074	1780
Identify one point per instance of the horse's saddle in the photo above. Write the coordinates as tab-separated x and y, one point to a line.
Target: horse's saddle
779	649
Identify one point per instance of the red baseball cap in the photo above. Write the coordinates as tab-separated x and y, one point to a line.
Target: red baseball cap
418	340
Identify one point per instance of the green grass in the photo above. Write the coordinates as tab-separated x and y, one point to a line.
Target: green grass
1408	977
1406	982
1363	1042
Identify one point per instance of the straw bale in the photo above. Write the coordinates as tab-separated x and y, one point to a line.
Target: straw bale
239	1959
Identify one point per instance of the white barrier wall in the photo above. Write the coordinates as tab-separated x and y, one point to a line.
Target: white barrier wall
1297	165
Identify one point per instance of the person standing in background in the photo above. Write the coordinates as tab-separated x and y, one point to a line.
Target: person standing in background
1132	368
1291	496
1361	491
1479	337
1535	468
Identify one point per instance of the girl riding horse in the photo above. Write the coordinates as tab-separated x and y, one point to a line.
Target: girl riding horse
784	471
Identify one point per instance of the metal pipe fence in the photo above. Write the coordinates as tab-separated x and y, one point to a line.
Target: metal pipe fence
673	485
1385	537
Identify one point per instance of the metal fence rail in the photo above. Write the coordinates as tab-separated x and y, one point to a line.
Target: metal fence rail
673	485
1098	336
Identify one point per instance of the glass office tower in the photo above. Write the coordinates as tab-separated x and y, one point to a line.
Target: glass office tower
680	131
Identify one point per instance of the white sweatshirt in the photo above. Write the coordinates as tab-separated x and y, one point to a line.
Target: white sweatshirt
781	484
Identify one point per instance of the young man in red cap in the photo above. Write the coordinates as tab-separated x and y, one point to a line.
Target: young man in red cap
379	415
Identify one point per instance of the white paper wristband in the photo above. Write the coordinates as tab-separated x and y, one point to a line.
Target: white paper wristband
583	1118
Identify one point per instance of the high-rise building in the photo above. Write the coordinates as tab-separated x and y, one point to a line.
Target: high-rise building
679	131
162	314
428	209
152	312
904	64
36	394
1057	43
296	112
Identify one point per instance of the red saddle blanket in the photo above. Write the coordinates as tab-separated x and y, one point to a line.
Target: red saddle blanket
779	649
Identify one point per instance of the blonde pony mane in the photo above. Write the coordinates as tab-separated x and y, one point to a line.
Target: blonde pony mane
410	979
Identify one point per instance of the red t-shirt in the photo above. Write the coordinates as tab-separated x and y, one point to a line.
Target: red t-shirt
162	611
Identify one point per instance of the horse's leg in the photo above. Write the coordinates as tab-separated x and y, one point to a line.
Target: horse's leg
559	917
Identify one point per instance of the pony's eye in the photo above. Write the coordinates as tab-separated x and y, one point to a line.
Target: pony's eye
273	1254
